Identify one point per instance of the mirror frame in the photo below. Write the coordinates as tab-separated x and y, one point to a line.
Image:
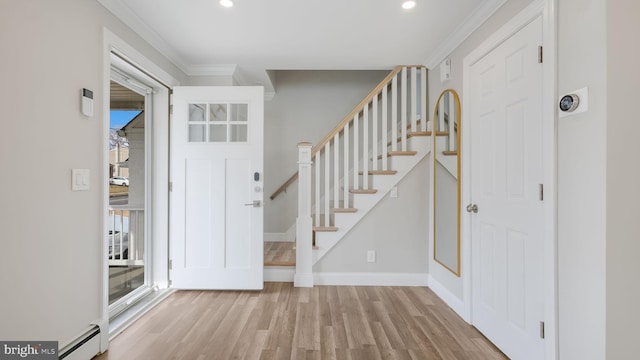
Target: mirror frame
456	271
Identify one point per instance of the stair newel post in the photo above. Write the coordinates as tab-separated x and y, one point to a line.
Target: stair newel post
304	224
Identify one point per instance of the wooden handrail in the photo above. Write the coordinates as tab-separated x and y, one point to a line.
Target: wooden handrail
347	119
284	186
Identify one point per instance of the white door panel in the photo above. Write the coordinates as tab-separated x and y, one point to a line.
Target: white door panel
217	147
506	170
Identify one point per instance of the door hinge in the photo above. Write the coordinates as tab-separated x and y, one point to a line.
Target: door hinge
541	329
541	189
170	264
540	54
170	186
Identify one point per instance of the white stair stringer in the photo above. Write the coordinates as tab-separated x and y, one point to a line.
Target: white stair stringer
325	241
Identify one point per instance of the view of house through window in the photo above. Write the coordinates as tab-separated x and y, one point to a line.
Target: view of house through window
126	240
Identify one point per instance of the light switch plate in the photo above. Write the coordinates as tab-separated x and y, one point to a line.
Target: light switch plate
394	192
371	256
445	70
80	179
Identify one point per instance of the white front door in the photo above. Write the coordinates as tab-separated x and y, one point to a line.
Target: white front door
505	122
216	200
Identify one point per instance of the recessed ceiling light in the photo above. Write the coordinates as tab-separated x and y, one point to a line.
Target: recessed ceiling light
226	3
408	4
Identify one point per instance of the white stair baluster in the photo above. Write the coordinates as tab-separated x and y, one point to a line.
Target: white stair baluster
385	127
374	134
345	177
423	101
394	114
356	153
414	96
327	183
317	192
365	147
336	170
403	108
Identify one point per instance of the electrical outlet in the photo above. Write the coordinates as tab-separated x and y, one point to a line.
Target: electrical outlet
371	256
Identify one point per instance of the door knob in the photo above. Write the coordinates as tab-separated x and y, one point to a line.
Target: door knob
255	203
472	208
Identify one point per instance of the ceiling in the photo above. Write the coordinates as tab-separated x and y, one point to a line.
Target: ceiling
203	38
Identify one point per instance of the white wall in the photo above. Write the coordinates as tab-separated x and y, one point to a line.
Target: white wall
582	181
397	229
597	184
51	269
209	81
307	105
623	172
440	274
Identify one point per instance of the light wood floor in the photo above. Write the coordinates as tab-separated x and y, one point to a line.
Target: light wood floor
279	253
282	322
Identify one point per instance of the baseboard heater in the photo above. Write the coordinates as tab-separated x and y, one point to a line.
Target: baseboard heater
92	341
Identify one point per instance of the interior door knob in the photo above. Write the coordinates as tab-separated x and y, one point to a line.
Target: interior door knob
472	208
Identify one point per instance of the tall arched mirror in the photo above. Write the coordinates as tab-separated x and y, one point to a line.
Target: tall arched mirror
446	150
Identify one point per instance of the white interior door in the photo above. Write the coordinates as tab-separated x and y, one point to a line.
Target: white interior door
506	173
216	202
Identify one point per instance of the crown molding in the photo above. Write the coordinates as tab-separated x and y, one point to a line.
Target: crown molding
462	31
212	70
129	18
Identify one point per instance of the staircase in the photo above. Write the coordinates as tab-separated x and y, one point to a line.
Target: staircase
359	162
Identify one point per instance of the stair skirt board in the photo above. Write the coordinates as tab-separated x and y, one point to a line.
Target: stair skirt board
371	279
279	273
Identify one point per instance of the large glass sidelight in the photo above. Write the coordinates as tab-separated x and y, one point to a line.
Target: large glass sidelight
128	218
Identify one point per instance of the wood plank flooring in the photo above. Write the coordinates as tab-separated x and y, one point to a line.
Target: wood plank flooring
283	322
279	253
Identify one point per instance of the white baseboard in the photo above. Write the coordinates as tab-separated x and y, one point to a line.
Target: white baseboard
448	297
371	279
273	237
279	273
287	236
303	280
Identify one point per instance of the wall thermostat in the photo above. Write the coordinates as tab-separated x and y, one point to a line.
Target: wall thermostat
573	103
569	102
87	102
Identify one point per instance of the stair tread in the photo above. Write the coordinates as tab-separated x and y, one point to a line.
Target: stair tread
325	228
419	133
399	153
381	172
345	210
442	133
450	153
402	153
363	191
279	263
